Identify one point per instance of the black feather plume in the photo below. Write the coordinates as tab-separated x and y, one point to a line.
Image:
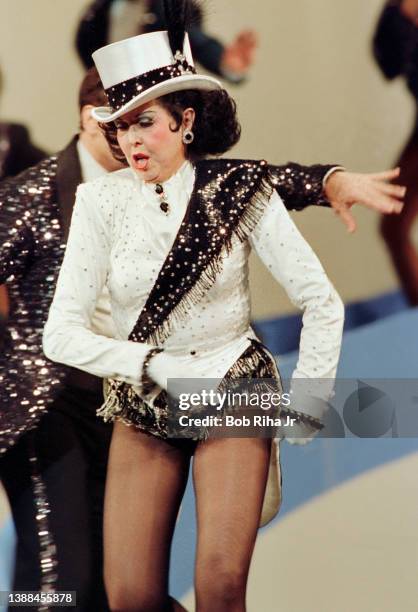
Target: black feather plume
177	15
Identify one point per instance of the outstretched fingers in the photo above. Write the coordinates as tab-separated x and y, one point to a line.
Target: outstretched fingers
347	218
396	191
386	175
382	200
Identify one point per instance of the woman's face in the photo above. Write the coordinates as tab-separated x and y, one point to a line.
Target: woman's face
149	143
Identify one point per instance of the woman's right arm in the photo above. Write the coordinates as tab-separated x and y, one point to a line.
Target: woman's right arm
68	337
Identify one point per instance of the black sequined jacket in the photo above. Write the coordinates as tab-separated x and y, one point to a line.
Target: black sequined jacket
35	214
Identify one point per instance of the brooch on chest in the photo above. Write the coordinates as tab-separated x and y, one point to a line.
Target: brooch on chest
164	205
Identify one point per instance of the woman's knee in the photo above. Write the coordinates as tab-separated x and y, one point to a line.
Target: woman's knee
126	598
221	584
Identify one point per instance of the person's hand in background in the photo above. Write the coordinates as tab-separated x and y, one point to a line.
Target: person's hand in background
239	56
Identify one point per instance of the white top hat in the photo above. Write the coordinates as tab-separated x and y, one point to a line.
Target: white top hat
142	68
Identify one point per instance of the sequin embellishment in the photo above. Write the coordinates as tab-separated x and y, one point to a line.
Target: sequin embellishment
228	200
31	252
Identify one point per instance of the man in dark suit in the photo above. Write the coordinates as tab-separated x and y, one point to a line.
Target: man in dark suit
54	474
107	21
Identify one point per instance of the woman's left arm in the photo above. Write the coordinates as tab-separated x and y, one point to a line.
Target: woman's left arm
303	186
295	266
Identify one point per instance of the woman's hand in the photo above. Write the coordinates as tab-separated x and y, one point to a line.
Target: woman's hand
344	189
162	367
183	380
239	55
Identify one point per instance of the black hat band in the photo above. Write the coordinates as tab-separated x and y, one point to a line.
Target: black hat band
122	93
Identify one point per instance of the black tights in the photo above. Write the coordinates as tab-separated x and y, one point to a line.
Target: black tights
146	482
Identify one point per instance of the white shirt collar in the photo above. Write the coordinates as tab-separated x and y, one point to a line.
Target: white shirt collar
177	189
90	168
180	182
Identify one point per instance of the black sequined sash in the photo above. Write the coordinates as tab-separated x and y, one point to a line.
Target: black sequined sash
228	200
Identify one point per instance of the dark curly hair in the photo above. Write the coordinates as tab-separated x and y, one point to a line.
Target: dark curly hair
216	128
91	90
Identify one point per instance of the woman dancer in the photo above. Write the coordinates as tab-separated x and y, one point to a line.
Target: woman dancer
170	236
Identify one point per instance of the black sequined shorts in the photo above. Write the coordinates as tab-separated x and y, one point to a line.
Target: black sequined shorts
254	363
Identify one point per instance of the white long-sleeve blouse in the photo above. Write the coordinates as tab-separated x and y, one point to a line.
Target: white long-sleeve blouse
120	238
